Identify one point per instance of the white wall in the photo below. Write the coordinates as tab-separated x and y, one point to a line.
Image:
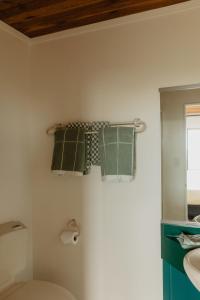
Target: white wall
15	198
112	74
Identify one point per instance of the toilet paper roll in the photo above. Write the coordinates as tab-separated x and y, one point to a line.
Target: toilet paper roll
68	237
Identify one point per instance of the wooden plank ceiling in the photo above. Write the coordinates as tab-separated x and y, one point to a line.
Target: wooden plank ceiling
38	17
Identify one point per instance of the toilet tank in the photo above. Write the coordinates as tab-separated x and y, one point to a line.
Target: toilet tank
13	252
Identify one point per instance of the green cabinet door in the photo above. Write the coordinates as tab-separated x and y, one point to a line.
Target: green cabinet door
176	285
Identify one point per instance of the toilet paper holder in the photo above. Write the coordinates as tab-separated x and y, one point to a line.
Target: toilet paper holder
73	226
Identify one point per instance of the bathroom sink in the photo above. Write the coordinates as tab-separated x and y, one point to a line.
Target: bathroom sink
191	264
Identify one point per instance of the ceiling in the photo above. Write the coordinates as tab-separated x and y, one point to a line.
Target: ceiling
39	17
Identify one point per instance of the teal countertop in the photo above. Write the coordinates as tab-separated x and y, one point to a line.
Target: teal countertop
171	250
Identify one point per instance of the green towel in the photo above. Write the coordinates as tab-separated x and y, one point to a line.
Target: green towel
69	151
117	153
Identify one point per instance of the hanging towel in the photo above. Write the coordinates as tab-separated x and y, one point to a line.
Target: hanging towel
117	153
94	153
86	126
92	157
69	151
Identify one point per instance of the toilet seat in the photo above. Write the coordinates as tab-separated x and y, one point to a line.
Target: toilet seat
36	290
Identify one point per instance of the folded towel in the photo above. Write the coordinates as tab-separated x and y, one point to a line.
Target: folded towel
117	153
69	151
189	241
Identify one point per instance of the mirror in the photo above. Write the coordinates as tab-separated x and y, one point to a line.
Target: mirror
192	121
180	123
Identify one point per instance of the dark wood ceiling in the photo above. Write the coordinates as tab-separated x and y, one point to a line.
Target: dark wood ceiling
38	17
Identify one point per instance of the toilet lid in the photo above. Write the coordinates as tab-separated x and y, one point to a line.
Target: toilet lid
39	290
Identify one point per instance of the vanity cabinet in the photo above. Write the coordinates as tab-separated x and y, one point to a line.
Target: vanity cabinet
176	284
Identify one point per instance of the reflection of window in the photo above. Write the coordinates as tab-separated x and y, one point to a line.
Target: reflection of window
193	158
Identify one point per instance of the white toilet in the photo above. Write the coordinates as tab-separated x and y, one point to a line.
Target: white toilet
35	290
13	272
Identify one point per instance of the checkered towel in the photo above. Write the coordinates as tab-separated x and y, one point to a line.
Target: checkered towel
69	151
92	142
